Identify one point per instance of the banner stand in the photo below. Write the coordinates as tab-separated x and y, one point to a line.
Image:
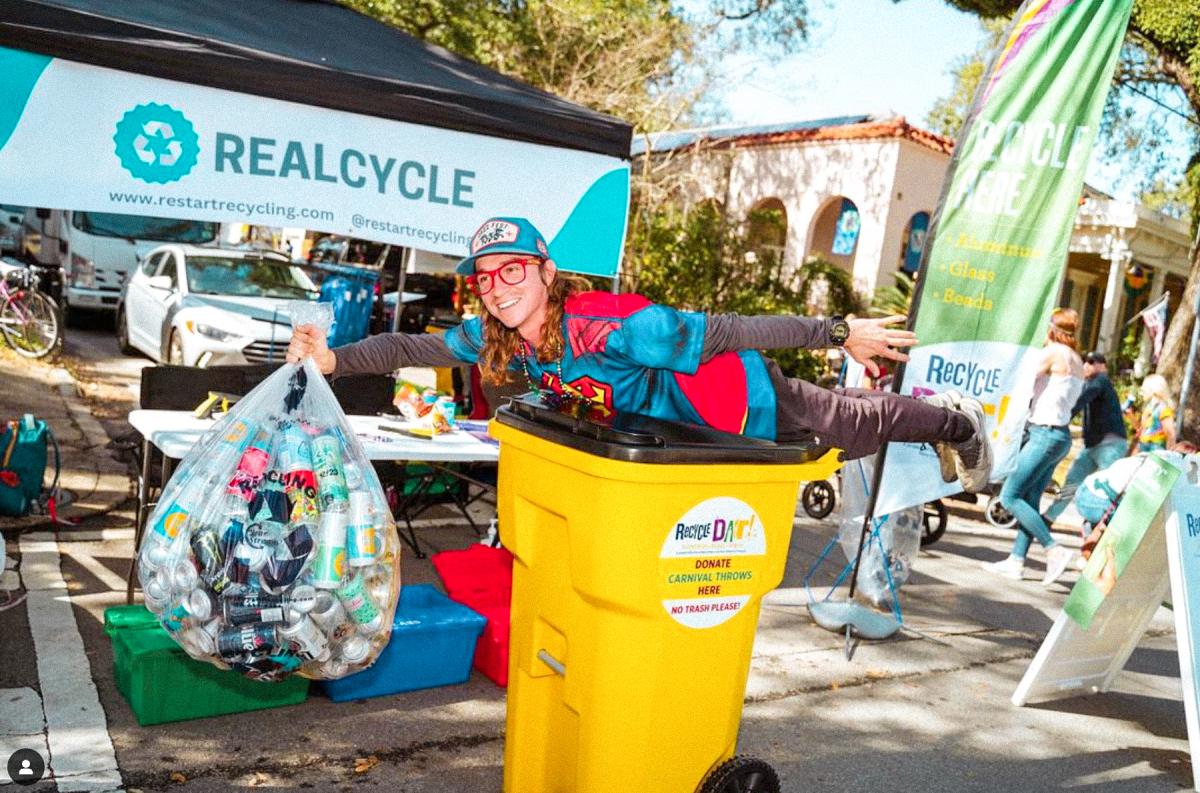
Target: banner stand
1165	563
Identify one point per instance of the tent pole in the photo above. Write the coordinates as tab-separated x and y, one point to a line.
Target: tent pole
405	260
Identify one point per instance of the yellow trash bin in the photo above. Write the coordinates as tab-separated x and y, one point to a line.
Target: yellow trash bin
642	551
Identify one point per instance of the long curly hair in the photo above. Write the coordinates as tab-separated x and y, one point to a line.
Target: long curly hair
1064	323
502	344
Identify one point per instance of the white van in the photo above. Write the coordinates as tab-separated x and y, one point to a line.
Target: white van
98	250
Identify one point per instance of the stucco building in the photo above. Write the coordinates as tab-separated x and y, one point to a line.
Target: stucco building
859	191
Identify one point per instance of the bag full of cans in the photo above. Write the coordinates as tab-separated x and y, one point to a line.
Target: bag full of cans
272	550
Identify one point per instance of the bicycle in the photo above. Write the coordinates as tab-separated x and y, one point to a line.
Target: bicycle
30	321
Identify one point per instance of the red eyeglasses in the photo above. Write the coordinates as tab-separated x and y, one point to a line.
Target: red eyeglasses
511	272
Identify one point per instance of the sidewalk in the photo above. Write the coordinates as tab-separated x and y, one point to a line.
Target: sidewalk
94	481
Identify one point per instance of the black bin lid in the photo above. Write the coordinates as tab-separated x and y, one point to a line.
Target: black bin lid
634	438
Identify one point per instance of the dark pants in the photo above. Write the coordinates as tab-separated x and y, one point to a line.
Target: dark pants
856	420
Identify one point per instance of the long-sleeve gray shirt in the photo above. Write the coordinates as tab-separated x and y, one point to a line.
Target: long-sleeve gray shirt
723	333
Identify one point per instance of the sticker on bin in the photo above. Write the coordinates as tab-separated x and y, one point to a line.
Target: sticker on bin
709	562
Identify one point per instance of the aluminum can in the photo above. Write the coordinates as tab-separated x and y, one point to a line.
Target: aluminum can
270	501
331	617
252	465
184	577
354	650
237	433
254	558
248	609
329	567
331	477
198	640
305	640
360	531
194	607
295	453
358	605
263	534
301	490
206	548
257	640
157	552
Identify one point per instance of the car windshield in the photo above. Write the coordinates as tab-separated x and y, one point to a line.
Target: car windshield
247	277
136	227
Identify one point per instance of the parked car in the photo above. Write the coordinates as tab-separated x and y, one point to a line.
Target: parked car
197	306
11	218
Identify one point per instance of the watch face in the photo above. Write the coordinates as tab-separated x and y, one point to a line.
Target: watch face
839	331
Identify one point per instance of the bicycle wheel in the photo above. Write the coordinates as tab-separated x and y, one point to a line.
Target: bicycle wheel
818	499
30	324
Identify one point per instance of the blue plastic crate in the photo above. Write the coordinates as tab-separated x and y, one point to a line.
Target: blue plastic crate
433	641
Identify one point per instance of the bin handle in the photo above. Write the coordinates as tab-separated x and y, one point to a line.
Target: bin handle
552	662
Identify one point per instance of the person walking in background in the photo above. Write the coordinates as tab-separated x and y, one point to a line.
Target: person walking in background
1104	439
1057	385
1156	425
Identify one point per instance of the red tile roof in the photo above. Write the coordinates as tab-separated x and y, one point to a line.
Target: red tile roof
868	130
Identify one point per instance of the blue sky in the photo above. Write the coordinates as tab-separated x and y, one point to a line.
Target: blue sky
883	58
865	56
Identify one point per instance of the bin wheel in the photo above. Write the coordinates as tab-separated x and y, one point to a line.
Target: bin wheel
741	775
818	499
933	522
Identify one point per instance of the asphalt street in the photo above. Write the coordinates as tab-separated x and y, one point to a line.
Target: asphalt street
930	714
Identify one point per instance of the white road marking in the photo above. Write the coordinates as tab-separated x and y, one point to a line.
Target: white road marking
81	754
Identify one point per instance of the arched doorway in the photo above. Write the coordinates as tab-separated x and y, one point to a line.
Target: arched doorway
913	241
766	233
834	234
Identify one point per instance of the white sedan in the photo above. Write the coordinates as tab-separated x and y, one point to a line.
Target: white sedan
200	306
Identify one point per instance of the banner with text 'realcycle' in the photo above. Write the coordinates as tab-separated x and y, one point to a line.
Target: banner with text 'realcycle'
998	247
75	136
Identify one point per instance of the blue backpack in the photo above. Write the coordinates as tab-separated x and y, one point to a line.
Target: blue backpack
23	457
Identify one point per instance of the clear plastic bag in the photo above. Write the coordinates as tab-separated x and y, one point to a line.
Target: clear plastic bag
272	550
899	534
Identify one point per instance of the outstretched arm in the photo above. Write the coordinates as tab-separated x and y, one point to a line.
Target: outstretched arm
374	355
868	338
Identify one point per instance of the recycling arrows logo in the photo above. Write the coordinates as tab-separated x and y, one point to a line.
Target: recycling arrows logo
156	143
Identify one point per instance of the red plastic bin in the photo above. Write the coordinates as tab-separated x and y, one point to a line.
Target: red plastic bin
481	577
491	651
477	575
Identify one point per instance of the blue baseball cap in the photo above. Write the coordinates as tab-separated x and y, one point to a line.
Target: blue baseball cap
504	235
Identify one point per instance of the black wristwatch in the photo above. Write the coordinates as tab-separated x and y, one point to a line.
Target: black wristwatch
839	331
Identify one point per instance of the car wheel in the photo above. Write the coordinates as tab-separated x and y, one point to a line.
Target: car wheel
123	333
175	349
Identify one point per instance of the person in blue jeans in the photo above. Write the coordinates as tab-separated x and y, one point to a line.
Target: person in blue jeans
1104	440
1057	385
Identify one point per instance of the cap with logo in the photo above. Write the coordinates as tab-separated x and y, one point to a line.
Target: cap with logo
1095	356
504	235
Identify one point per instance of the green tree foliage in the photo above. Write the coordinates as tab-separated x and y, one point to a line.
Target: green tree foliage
896	299
697	259
646	61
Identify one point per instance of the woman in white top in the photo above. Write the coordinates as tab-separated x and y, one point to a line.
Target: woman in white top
1059	380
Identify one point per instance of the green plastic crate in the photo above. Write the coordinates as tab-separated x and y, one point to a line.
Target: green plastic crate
117	618
162	683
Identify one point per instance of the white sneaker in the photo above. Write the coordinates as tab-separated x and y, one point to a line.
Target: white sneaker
1058	559
974	455
1009	567
947	400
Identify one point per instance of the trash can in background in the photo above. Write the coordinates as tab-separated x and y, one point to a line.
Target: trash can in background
642	551
351	291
